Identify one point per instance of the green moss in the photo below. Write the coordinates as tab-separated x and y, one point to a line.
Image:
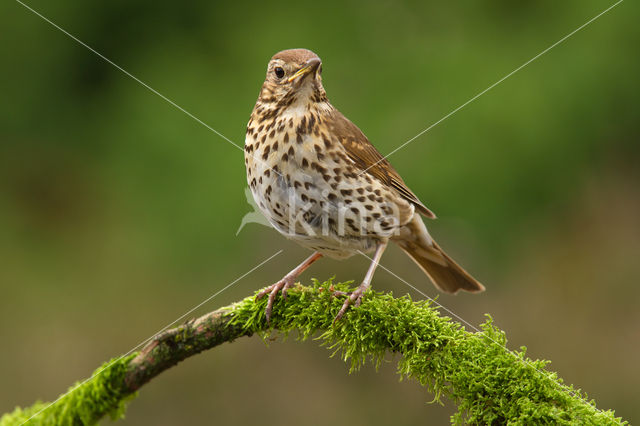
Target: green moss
94	398
489	383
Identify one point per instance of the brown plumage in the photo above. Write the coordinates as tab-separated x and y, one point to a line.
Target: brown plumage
319	181
367	158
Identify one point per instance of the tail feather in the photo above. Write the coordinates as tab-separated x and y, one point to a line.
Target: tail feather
443	271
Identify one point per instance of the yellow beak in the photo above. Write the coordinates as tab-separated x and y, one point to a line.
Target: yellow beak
311	66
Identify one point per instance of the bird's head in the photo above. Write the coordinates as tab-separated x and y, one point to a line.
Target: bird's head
293	78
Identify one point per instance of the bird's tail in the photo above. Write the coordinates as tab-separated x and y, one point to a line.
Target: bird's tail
443	271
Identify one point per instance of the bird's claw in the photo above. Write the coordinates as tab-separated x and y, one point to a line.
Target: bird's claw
353	298
281	286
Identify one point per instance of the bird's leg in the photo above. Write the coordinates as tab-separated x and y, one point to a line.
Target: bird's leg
355	297
286	282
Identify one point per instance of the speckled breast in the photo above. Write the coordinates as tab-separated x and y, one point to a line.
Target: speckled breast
310	191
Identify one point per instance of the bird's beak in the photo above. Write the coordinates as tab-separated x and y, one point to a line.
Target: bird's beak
309	68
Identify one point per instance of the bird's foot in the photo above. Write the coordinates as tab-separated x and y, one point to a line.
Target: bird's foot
273	290
353	298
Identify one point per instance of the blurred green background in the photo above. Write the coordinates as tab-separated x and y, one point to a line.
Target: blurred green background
118	212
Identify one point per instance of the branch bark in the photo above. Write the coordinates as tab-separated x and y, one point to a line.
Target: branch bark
177	344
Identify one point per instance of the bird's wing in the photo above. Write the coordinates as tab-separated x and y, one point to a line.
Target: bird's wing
369	160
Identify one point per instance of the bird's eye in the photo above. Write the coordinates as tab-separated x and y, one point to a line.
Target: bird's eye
279	72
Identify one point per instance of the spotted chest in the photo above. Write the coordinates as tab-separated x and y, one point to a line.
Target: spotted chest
311	191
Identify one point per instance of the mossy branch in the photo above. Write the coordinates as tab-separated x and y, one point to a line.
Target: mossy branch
490	384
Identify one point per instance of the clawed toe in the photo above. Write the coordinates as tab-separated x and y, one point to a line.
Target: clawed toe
353	298
273	290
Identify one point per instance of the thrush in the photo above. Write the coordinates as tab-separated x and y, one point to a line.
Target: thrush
320	182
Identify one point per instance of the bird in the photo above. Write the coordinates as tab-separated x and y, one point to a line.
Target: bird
320	182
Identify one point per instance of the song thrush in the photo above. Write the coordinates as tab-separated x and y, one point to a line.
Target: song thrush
320	182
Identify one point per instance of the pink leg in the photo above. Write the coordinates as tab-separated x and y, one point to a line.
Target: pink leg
286	282
355	297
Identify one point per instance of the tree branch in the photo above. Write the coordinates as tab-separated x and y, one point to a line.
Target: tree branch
174	345
489	383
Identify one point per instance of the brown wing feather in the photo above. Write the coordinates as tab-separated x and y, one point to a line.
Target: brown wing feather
369	160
